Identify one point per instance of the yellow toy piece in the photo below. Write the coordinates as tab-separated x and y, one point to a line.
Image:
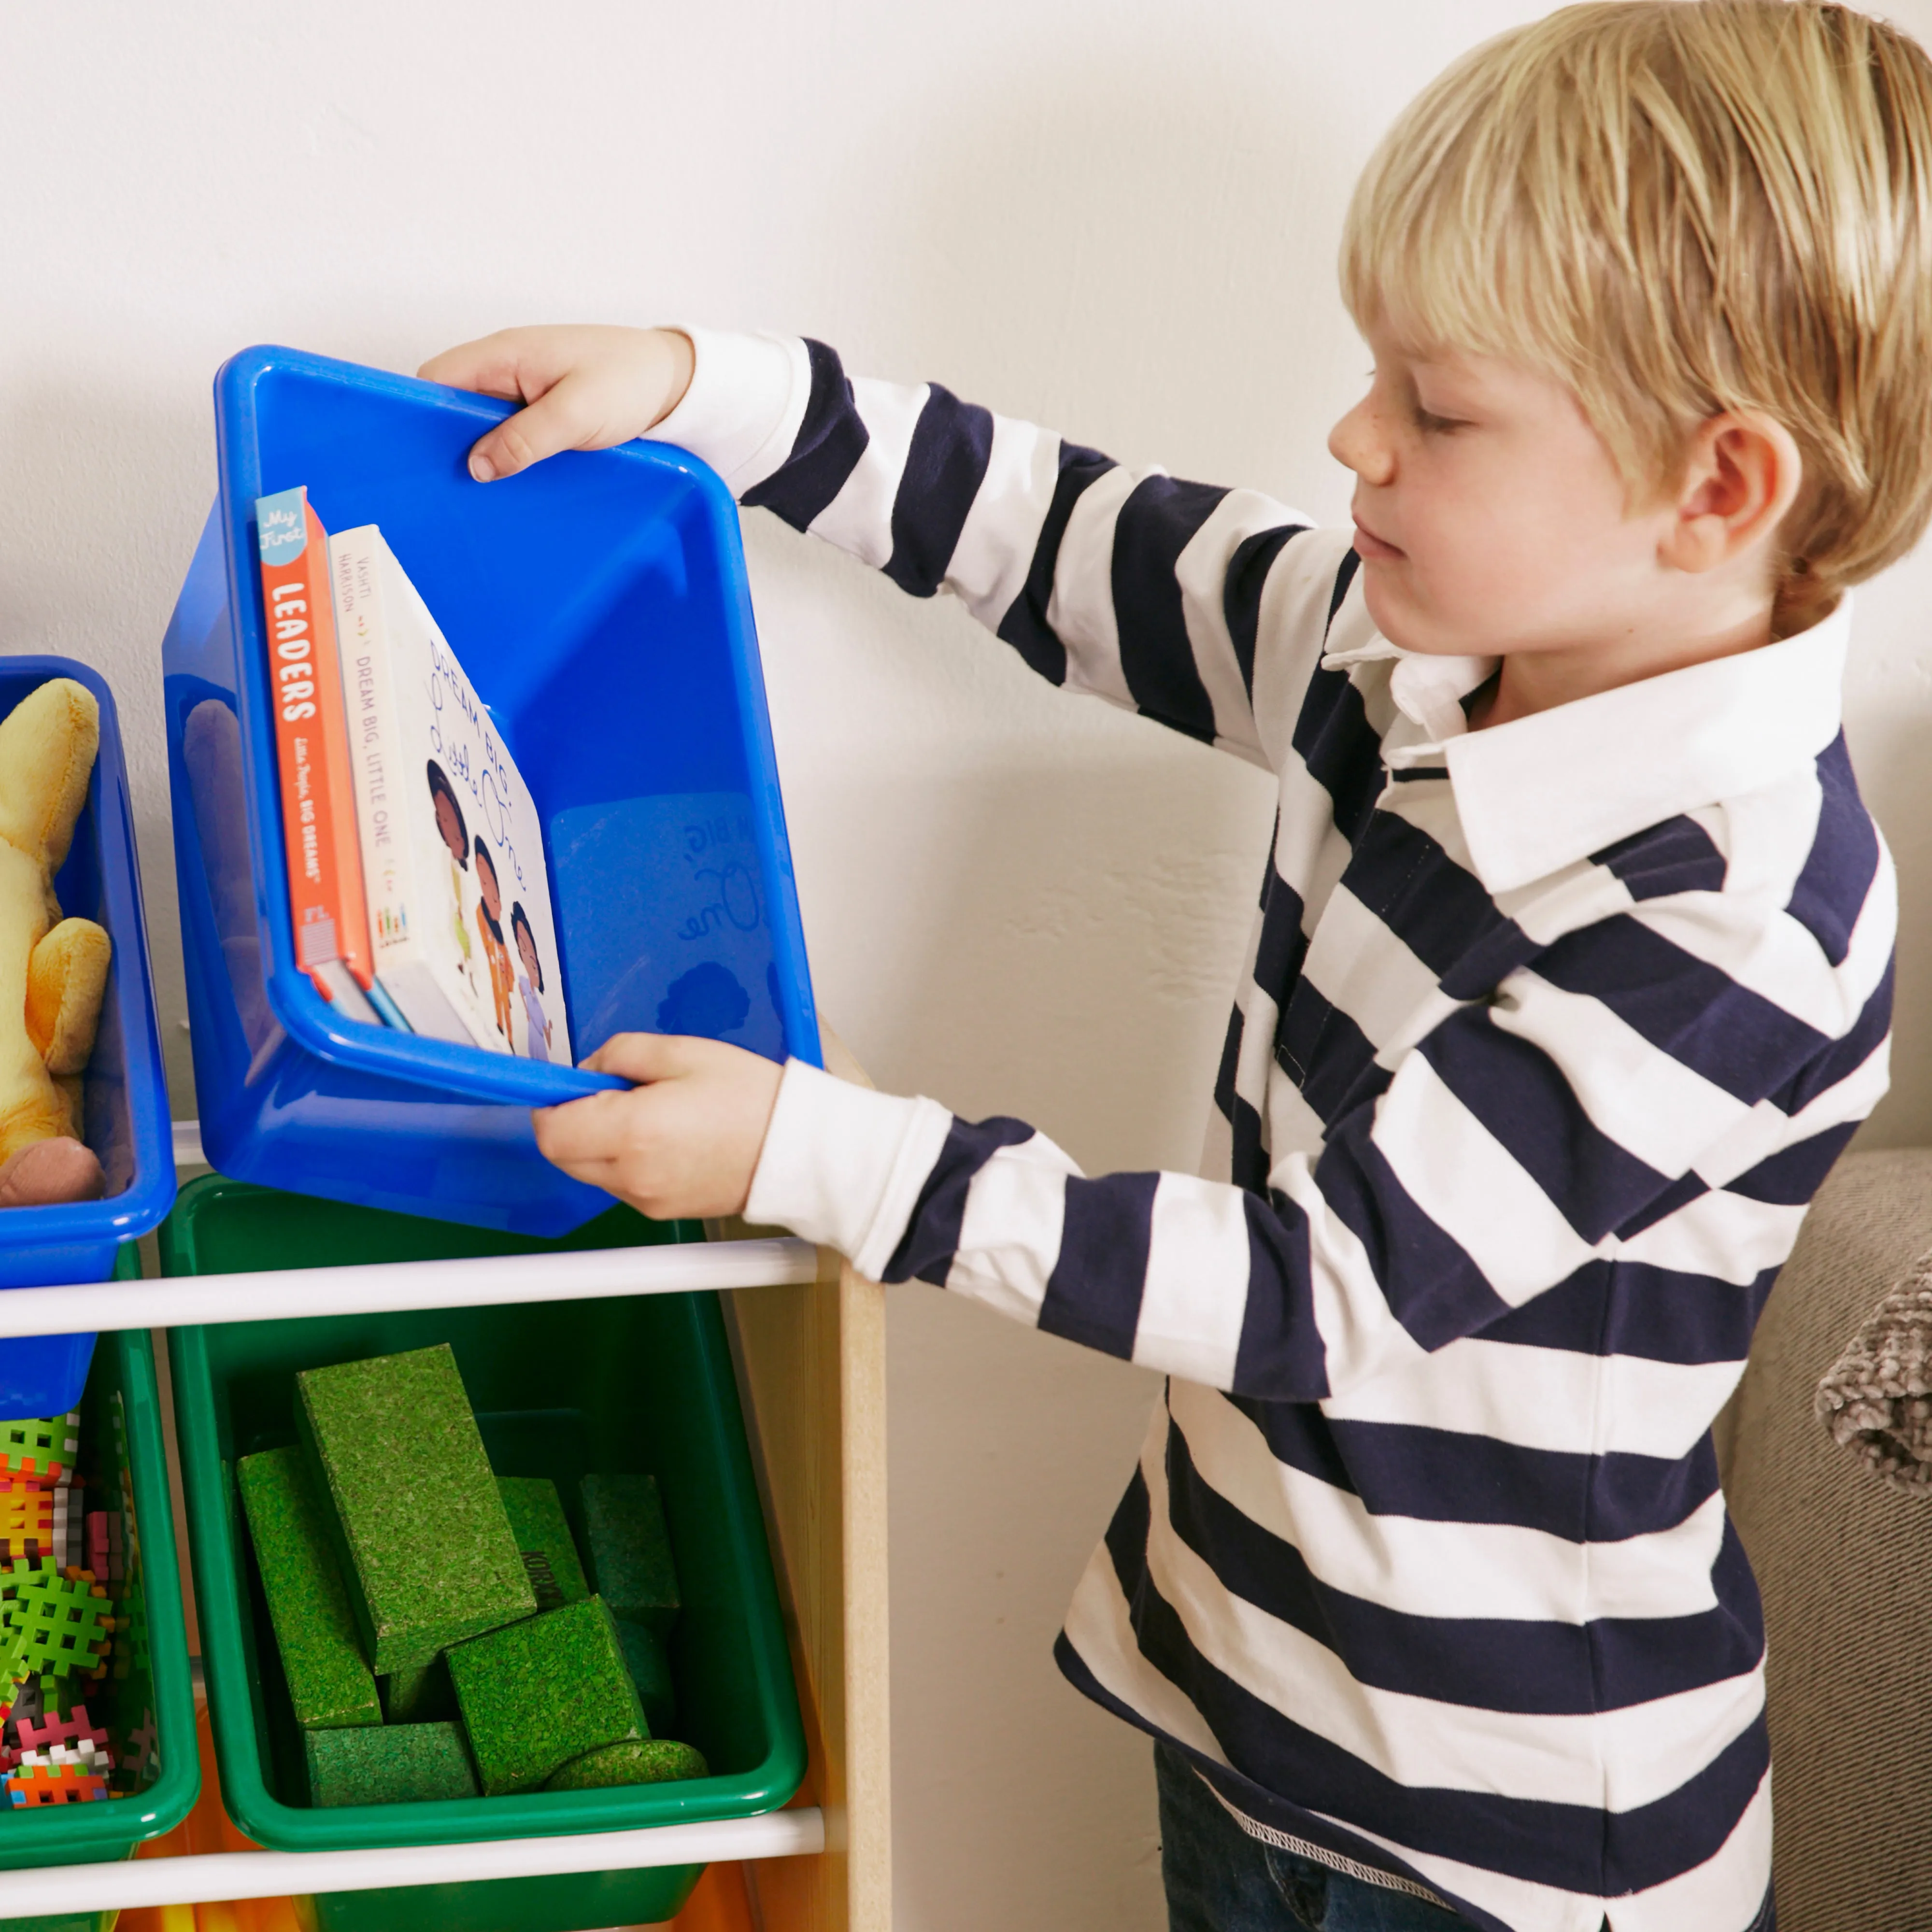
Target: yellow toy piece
53	971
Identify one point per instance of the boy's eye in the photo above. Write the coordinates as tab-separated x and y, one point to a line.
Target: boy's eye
1432	424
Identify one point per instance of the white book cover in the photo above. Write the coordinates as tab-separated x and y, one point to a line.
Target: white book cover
460	921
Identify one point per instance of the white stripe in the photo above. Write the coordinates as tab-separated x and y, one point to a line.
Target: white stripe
1197	1285
1457	1173
1617	1760
1768	835
1767	1130
1009	1232
1552	1398
859	518
1288	635
1725	1236
1293	1126
1457	1569
1723	1895
1366	971
997	542
1081	611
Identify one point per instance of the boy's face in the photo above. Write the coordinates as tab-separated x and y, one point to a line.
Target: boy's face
1489	517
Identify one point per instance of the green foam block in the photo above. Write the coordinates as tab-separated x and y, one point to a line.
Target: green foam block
641	1761
329	1684
540	1692
396	1764
430	1557
419	1696
538	1522
630	1549
649	1667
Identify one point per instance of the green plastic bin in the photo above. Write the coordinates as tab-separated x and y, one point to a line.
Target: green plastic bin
560	1388
124	1364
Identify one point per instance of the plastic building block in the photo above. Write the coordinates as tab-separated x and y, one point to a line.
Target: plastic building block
398	1764
419	1695
631	1563
45	1730
43	1447
649	1667
637	1761
31	1785
34	1519
537	1694
430	1557
538	1522
63	1623
329	1684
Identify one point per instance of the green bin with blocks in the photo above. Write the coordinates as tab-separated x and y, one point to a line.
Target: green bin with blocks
146	1702
561	1390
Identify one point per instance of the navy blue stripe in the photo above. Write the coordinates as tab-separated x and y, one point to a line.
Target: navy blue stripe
1156	524
1281	1353
1339	747
1242	589
1437	911
1344	575
1572	1847
1846	1055
1628	1308
1299	1436
1513	1087
1676	856
1832	890
830	441
931	1237
1791	1176
1327	1054
946	463
1282	944
1488	1663
1025	626
1435	1290
1681	1192
1248	1161
1737	1039
1094	1293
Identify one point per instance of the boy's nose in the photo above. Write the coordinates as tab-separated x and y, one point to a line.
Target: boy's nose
1356	443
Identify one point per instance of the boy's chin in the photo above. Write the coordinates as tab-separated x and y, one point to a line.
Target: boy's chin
1409	629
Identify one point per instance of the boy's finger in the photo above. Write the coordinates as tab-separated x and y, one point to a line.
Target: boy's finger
567	416
642	1057
580	1130
491	366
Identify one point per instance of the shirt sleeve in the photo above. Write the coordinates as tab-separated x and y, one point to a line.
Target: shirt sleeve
1622	1097
1156	594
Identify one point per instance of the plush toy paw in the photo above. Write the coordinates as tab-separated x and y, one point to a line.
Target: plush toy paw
50	1172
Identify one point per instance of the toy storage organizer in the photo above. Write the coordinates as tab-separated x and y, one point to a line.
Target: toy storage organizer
599	604
126	1095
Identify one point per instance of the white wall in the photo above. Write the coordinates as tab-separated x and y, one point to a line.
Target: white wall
1119	216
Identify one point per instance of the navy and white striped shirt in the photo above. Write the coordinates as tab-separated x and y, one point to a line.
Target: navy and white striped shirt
1548	1034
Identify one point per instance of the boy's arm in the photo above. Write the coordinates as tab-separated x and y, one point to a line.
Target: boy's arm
1153	593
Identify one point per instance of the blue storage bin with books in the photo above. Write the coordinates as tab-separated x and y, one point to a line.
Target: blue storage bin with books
124	1091
533	711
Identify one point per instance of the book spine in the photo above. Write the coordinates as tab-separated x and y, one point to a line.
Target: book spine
327	908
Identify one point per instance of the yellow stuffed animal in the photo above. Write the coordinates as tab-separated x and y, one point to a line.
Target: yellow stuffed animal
53	971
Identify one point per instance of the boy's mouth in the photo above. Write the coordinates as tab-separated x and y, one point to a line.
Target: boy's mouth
1371	548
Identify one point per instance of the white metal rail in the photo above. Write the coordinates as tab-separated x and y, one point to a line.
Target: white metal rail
283	1294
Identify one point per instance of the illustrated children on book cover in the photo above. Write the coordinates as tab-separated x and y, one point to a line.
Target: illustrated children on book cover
495	954
455	834
530	986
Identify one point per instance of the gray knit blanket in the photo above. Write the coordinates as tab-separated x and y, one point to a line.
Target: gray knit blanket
1876	1398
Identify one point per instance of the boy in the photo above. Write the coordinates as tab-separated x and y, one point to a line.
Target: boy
1571	975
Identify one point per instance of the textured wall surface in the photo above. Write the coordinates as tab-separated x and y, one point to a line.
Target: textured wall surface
1117	216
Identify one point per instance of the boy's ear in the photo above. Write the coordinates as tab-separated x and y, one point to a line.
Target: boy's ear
1742	475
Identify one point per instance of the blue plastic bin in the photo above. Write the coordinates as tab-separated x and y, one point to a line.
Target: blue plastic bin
599	604
126	1091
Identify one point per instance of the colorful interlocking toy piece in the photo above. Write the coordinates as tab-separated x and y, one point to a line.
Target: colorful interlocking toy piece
90	1755
43	1447
44	1732
62	1624
27	1518
33	1786
143	1756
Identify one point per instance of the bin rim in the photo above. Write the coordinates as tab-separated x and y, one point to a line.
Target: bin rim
220	1560
462	1072
110	1829
144	1203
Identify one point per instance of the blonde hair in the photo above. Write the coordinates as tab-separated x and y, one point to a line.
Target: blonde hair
1679	208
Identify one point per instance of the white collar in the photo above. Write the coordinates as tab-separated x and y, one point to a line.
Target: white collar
1540	792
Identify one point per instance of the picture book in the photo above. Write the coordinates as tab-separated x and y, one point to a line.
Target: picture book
326	903
463	938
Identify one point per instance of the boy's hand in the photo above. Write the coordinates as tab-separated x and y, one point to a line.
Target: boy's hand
684	1142
585	387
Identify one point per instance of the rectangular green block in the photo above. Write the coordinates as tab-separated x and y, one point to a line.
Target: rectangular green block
542	1532
419	1695
649	1666
330	1685
631	1565
430	1557
540	1692
397	1764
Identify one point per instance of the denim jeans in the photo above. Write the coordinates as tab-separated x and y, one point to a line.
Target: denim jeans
1219	1879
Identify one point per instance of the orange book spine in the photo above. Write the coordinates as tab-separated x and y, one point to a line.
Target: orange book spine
326	901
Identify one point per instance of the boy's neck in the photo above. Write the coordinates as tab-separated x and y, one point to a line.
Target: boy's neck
1530	681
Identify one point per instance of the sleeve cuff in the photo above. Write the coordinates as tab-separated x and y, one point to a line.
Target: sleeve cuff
742	413
844	1165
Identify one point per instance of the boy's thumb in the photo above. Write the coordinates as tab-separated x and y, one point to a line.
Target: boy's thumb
558	419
